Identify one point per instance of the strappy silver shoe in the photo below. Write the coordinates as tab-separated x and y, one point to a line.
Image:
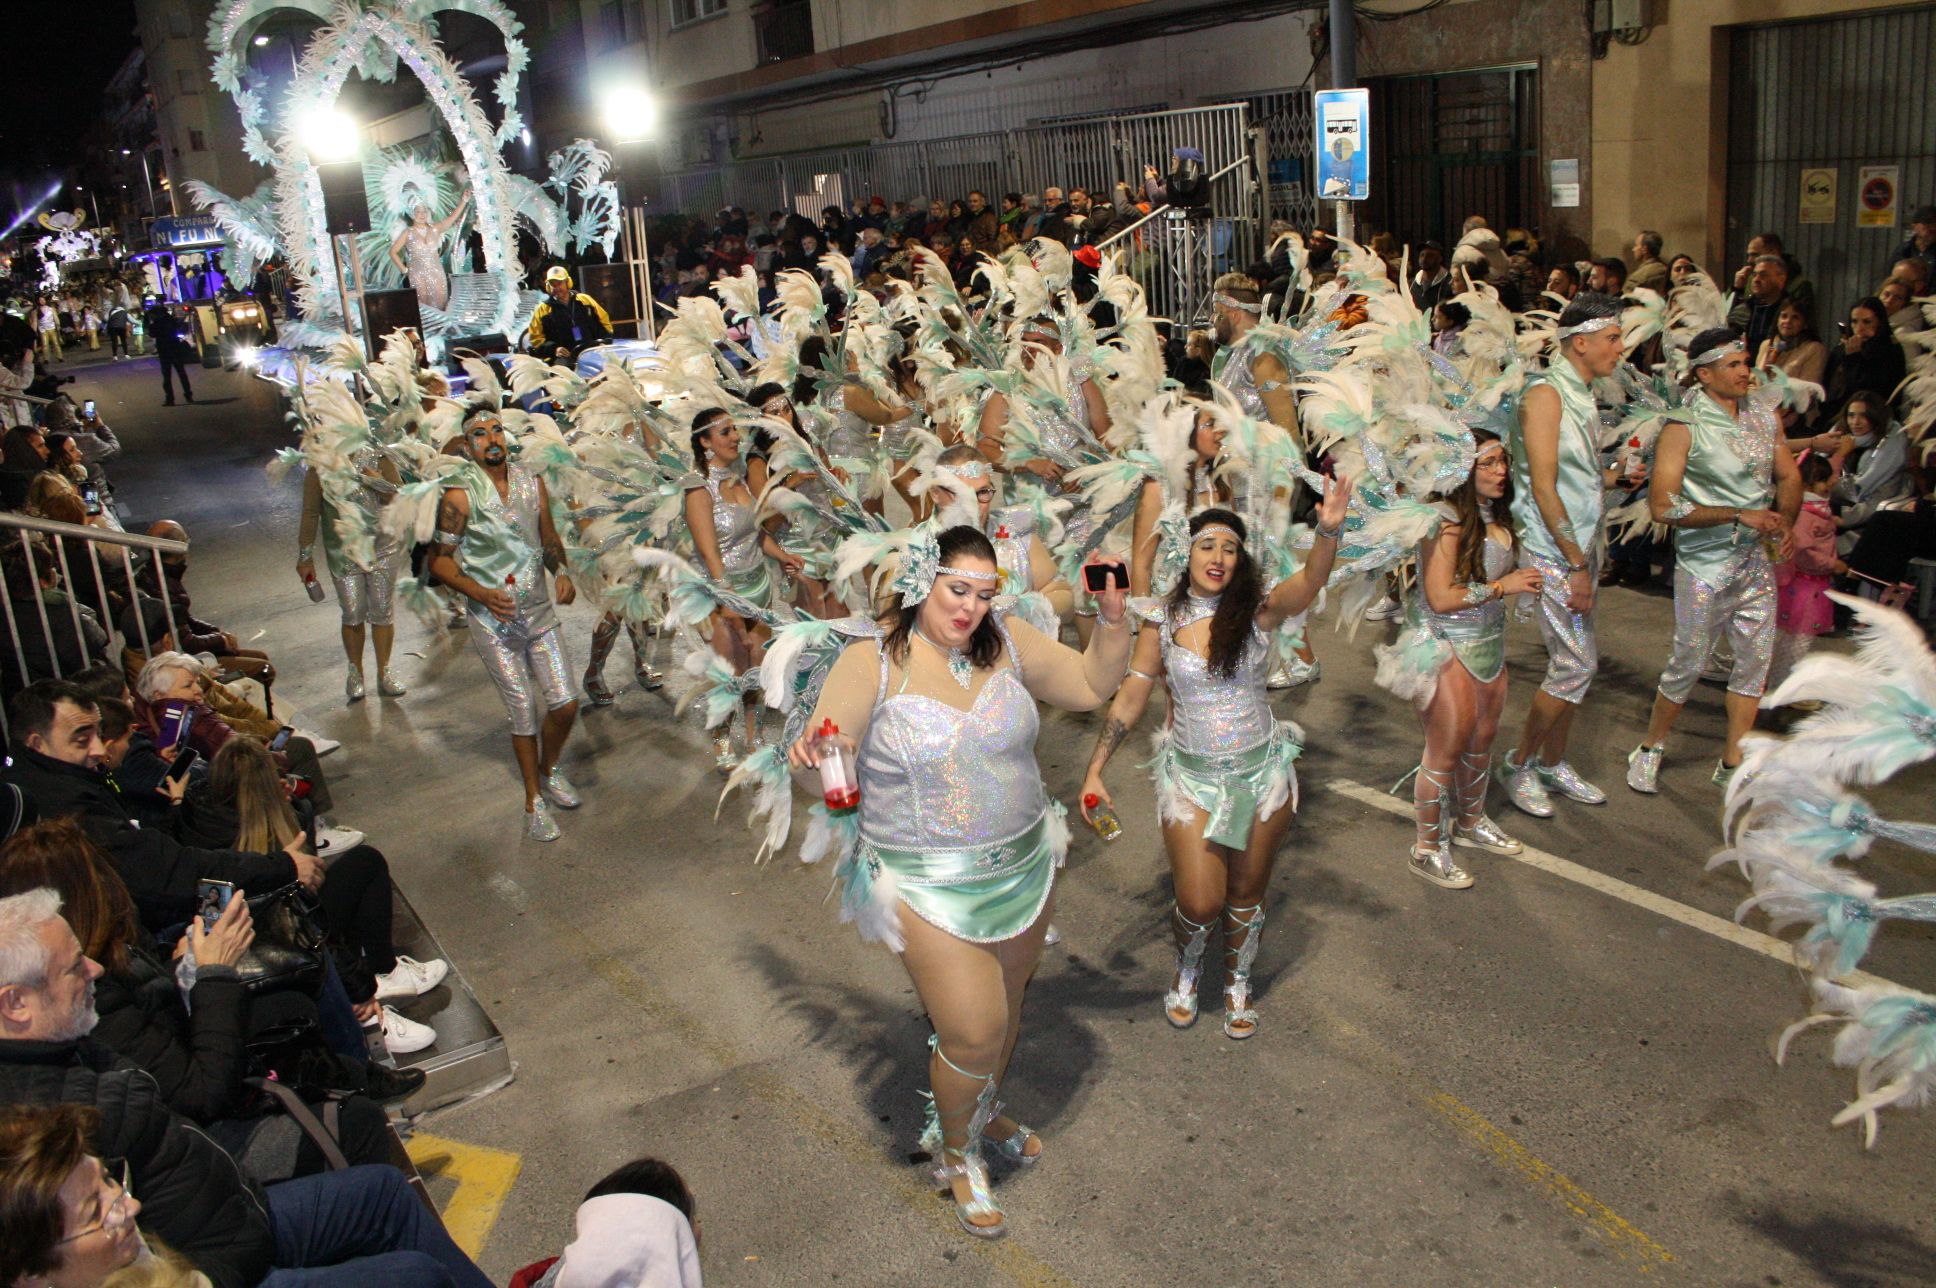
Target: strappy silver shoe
968	1164
1239	1016
1182	1000
1014	1147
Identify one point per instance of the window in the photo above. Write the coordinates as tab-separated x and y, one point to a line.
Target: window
684	11
196	141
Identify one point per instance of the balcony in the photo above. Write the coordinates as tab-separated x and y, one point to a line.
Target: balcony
783	31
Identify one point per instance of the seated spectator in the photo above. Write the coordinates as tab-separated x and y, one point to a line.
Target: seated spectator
1607	276
1563	281
72	636
65	1217
1797	351
1905	315
196	1047
137	768
56	764
1871	457
1431	285
1679	269
1449	320
167	574
148	621
193	1196
1867	358
637	1228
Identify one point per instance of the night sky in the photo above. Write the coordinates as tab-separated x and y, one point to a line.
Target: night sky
61	58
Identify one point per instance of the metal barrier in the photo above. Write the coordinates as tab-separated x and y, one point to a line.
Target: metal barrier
93	544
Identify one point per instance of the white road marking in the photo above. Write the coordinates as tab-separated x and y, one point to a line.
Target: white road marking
1719	927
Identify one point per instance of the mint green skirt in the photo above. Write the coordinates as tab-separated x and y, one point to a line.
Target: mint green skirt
982	894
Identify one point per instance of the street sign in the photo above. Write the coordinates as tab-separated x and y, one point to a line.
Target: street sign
1343	120
1875	197
1818	195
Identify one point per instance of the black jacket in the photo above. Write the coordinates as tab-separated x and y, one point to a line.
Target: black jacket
160	872
193	1195
197	1057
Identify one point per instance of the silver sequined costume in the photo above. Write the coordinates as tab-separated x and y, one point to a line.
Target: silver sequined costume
1473	637
524	656
1723	581
1572	647
423	258
737	530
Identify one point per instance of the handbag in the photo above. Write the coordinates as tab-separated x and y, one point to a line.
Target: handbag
289	942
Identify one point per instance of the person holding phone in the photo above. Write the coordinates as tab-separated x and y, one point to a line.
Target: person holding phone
1225	786
937	701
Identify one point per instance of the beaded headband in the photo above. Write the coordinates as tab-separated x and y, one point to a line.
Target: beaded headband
1587	327
1209	528
1231	302
944	570
970	470
1717	353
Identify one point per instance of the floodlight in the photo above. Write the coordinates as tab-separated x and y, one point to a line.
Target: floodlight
328	133
630	113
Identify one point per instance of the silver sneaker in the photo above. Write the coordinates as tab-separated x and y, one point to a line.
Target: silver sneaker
389	685
1570	784
1524	789
1724	773
1643	769
353	685
1384	610
558	790
1486	835
538	823
1278	679
1298	673
1437	867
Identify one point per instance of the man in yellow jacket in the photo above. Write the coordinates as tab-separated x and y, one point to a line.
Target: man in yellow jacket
567	322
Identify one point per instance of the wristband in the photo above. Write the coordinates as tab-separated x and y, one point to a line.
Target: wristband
1477	593
1331	533
305	554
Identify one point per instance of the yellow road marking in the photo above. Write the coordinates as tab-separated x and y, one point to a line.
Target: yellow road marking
484	1177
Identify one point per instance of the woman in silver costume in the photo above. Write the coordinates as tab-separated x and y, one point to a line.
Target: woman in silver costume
897	418
954	825
1225	788
1451	661
1202	491
737	553
367	596
418	252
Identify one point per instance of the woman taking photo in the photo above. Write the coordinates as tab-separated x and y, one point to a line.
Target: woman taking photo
1450	660
738	554
953	824
1223	762
1867	358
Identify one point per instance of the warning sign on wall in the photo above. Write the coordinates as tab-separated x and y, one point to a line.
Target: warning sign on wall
1875	197
1818	196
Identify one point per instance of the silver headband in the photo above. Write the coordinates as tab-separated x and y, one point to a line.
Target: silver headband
1717	353
1230	302
969	470
1224	528
1587	327
945	571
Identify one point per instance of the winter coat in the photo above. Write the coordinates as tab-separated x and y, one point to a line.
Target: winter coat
196	1055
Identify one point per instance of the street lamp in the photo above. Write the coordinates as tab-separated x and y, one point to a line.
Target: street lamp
328	133
148	178
92	201
630	113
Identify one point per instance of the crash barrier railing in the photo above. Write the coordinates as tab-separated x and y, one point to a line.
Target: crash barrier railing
87	547
1093	153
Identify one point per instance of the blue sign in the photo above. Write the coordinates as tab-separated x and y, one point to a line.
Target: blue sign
185	232
1343	118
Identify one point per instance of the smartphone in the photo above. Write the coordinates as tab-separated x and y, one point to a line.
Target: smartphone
211	900
1843	327
176	720
1100	577
281	739
91	499
184	761
87	409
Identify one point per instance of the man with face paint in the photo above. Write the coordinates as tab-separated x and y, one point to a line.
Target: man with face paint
1727	485
495	541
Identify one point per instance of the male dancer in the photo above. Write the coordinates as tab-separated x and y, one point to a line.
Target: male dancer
1261	384
1559	507
1728	486
495	540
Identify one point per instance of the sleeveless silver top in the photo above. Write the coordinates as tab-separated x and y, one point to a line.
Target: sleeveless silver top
521	504
936	777
733	524
1480	621
849	436
1209	714
1238	378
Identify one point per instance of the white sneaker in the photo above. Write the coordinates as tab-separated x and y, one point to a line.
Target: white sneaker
1384	610
332	841
403	1035
411	978
322	745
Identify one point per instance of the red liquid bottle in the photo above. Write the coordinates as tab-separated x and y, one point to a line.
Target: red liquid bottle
839	783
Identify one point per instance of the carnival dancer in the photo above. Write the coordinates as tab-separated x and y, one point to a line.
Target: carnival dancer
1199	484
1226	790
1727	485
736	551
963	489
1450	661
953	824
1559	506
495	540
418	251
366	593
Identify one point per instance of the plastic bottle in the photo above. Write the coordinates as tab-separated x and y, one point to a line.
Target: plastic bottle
839	784
1101	817
314	587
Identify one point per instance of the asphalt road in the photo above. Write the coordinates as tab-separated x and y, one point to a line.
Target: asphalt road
1535	1082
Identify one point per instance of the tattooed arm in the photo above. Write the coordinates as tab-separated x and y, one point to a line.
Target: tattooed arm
1145	667
453	518
554	550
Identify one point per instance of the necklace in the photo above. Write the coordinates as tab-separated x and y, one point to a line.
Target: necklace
958	664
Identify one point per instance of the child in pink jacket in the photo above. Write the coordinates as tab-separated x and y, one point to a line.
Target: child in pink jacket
1803	609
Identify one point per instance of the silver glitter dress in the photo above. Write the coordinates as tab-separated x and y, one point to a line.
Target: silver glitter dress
423	258
736	528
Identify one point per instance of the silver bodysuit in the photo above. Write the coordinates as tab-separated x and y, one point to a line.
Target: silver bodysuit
850	436
525	656
1211	715
520	503
735	526
1477	633
423	257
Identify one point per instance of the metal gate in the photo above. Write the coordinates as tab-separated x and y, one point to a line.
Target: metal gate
1285	118
1451	146
1839	94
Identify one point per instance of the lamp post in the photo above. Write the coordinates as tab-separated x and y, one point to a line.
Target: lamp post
631	116
146	177
329	135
